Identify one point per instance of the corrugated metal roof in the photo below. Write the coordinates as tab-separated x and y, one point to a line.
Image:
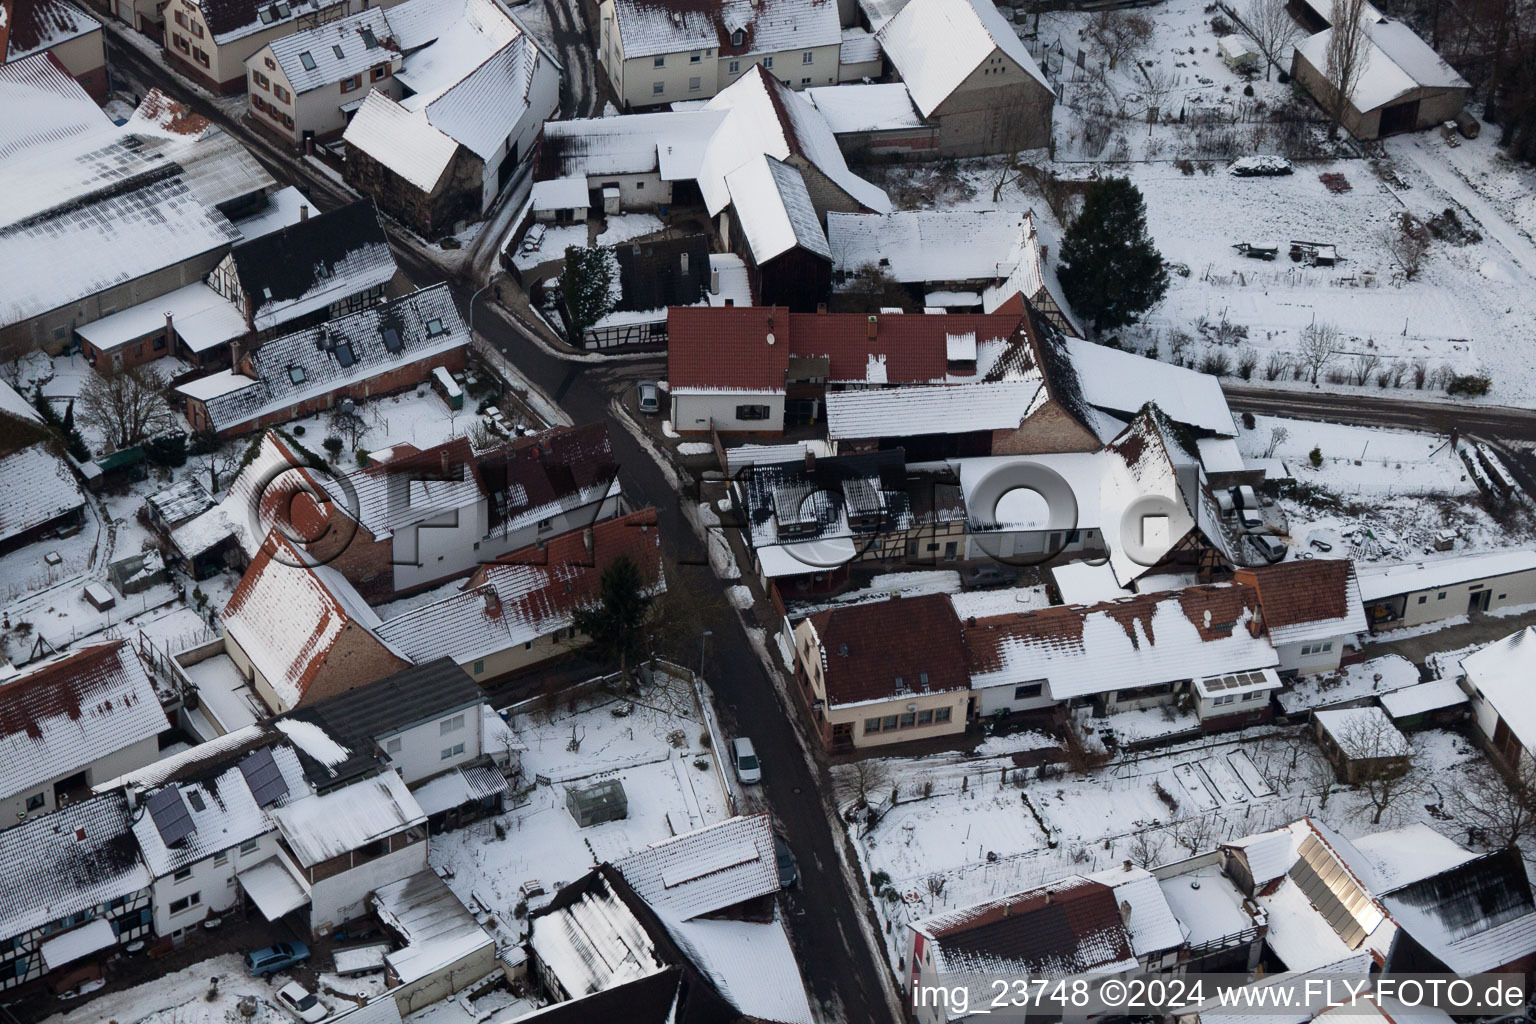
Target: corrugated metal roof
706	870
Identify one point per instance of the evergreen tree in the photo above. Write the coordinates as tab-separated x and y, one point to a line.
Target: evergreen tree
616	624
72	437
1110	270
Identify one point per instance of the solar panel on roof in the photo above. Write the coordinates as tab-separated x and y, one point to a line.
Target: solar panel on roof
264	778
170	816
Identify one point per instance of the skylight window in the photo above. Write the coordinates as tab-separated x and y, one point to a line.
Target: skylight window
345	357
369	39
392	339
282	10
308	60
337	51
435	327
296	374
267	15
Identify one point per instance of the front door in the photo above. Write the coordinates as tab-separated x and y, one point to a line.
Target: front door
1478	601
842	734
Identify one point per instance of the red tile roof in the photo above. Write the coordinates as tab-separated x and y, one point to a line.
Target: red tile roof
726	347
1291	593
1067	927
866	646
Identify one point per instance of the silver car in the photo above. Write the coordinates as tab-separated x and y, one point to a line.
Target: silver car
650	398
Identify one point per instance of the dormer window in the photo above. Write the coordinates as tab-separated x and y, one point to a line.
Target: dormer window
738	37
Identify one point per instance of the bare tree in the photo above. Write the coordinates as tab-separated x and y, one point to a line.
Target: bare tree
216	464
1498	805
126	406
1272	30
1316	775
858	781
1195	834
1382	760
1146	850
12	358
1408	242
348	424
1119	34
1319	346
1365	365
1020	127
1347	58
1277	437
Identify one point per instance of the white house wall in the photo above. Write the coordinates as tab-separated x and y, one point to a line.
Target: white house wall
543	100
103	769
214	883
344	897
421	746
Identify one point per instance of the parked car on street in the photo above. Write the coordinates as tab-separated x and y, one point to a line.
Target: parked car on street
789	873
650	397
744	760
275	958
301	1002
988	576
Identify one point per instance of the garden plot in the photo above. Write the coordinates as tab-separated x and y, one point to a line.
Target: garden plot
650	743
959	846
1359	460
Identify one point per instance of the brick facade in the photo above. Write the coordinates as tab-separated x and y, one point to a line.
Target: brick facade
1048	430
428	213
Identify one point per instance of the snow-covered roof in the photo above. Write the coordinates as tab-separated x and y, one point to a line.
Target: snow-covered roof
200	316
438	929
1087	582
68	862
935	409
1150	638
750	963
1396	62
1476	916
773	209
326	54
1206	903
1501	673
1269	854
261	486
861	47
648	28
1298	933
1402	856
1363	733
936	44
337	354
1416	700
1067	927
305	267
1378	581
1148	919
39	488
89	247
479	110
44	105
230	20
61	714
706	870
37	25
878	106
594	942
669	142
402	140
526	594
561	193
223	811
1307	600
289	616
928	246
321	826
1122	382
767	117
283	207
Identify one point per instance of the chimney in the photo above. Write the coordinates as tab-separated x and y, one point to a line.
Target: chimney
234	354
810	460
444	454
1125	912
303	212
1126	865
874	327
821	308
587	540
714	280
1045	254
170	332
971	622
492	603
1050	897
683	260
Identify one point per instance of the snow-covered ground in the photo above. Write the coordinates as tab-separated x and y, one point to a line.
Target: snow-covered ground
651	743
184	998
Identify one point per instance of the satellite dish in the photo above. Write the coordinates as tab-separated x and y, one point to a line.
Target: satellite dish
770	337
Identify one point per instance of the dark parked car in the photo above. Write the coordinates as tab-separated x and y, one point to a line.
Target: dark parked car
276	958
789	874
988	576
